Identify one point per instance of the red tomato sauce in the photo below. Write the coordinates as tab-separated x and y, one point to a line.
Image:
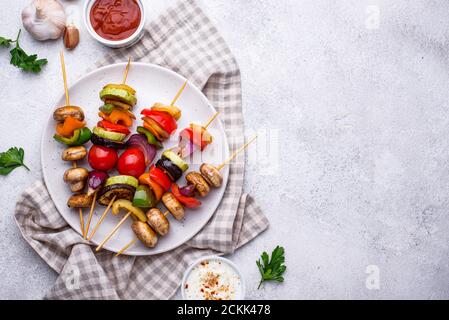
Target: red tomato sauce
115	19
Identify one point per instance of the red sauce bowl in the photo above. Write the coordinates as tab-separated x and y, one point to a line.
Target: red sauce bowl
115	23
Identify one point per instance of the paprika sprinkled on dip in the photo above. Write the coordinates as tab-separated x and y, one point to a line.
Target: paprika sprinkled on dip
115	23
213	278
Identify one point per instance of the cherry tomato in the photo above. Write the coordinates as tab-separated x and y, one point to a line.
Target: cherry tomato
131	163
102	158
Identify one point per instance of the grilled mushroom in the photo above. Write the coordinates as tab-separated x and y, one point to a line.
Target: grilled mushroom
158	221
198	181
74	153
61	113
144	233
76	178
80	201
173	205
211	175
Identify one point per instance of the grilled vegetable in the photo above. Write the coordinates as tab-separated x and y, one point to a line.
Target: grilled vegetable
61	113
155	129
95	181
119	191
109	126
150	137
70	124
120	86
189	202
171	110
80	137
131	181
127	205
163	119
144	197
172	170
155	187
173	205
118	116
160	177
109	135
201	186
76	178
119	95
106	142
181	164
74	153
144	233
140	142
102	158
211	175
80	201
158	221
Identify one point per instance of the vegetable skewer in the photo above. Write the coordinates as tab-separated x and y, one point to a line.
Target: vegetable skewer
67	103
175	201
178	94
115	229
92	208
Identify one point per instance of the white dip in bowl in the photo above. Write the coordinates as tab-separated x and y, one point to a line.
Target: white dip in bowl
213	278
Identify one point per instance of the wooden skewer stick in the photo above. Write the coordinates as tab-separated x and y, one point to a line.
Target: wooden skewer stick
130	244
103	215
236	153
80	211
67	102
64	77
179	93
125	76
113	231
91	213
211	120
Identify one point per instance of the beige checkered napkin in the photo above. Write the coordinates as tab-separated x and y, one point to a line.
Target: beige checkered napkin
184	40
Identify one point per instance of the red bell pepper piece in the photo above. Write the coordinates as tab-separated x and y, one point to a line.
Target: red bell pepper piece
194	137
160	177
109	126
165	120
189	202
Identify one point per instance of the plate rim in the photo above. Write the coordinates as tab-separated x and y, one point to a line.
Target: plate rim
226	154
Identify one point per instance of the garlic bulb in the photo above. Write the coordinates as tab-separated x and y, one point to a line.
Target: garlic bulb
44	19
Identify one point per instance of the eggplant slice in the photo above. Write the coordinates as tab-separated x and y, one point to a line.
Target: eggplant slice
120	191
107	143
171	169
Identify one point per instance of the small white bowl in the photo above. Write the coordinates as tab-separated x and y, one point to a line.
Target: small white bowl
135	37
227	261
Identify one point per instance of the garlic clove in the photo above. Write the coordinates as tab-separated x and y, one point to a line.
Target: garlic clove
71	36
44	19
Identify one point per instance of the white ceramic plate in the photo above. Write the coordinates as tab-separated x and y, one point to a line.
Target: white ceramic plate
153	84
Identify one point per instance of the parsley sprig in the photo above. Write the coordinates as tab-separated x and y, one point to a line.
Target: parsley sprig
20	59
11	159
274	268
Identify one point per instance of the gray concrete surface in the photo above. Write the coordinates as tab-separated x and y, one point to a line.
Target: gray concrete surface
358	98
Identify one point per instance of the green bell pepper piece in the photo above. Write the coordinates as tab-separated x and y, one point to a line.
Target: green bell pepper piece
151	138
107	108
80	137
144	197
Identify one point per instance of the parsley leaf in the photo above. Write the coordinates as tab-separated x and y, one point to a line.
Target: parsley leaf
11	159
20	59
5	42
272	269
